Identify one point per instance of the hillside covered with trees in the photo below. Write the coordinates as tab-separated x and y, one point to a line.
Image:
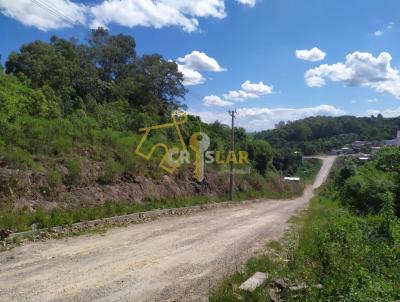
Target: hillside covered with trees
322	134
69	118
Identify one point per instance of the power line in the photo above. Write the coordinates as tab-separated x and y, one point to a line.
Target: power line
56	11
53	11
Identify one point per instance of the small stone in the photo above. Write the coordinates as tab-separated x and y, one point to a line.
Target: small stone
254	281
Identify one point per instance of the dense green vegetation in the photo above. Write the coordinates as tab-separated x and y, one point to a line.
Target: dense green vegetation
70	110
348	241
65	100
322	134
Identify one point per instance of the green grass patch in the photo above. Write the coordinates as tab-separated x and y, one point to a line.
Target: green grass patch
355	258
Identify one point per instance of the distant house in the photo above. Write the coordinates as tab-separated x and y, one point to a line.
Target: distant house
336	152
292	179
393	142
347	150
364	157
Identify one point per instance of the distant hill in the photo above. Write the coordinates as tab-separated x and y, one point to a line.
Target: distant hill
321	134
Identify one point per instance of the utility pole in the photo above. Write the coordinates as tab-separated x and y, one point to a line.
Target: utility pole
233	114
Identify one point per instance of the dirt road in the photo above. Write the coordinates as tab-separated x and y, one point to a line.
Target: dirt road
170	259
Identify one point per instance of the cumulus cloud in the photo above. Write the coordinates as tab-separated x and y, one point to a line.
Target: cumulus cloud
199	61
257	119
190	76
239	95
359	69
43	14
257	88
249	91
130	13
213	100
313	55
250	3
191	65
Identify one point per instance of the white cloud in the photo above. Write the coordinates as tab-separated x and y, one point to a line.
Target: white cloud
213	100
381	32
190	76
130	13
44	15
191	65
201	62
360	69
257	88
312	55
257	119
250	91
374	100
250	3
386	112
239	95
158	14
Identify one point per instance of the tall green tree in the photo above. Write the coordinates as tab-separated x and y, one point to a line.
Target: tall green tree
103	70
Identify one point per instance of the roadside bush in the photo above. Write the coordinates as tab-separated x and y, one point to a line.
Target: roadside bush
364	192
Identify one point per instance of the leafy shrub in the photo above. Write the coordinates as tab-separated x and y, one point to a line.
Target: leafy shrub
364	192
112	115
62	145
112	171
16	99
18	158
74	166
54	178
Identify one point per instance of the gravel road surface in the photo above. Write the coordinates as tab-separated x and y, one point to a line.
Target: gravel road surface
169	259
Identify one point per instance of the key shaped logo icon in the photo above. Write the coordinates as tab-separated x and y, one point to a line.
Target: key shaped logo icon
199	143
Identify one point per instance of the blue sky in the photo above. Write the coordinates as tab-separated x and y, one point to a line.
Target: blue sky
242	53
